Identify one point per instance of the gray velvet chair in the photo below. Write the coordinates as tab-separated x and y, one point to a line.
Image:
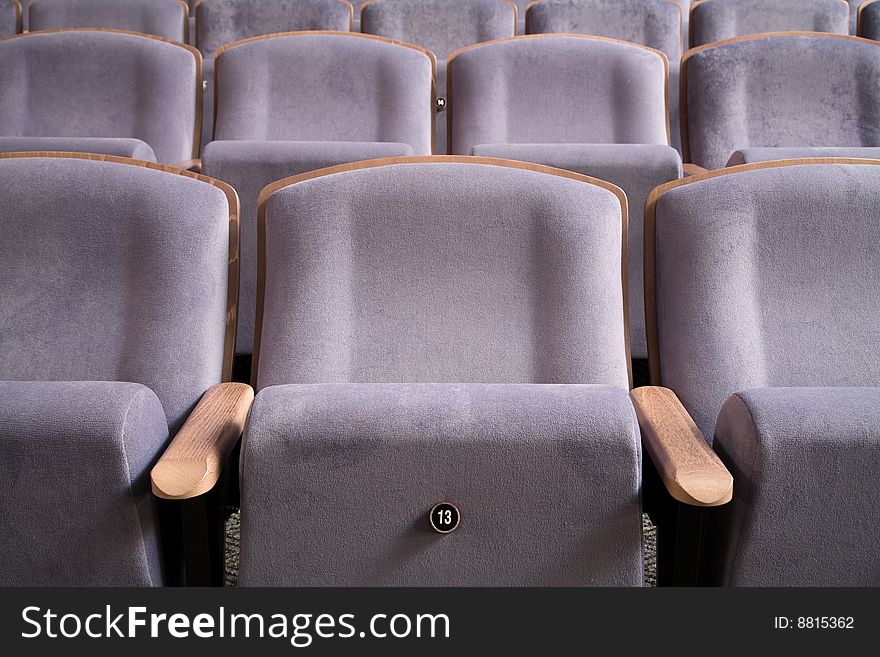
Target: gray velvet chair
441	26
10	17
446	330
763	320
869	20
589	104
219	22
657	24
717	20
100	91
116	330
168	19
294	102
793	92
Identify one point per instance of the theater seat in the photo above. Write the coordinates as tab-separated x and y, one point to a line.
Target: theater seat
223	21
657	24
763	320
108	91
441	330
716	20
368	97
10	17
116	331
785	90
751	155
168	19
592	105
441	26
869	21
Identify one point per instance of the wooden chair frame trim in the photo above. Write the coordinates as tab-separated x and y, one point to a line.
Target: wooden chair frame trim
270	189
234	245
683	44
650	237
450	108
197	128
683	106
199	4
352	35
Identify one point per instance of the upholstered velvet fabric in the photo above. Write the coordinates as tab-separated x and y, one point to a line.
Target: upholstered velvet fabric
751	155
768	278
636	169
653	23
112	272
163	18
854	14
338	481
556	89
714	20
251	165
8	18
783	90
657	24
224	21
806	462
75	502
325	87
441	26
133	148
146	90
870	25
443	272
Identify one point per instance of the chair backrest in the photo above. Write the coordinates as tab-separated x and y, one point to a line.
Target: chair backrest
764	275
325	86
10	17
224	21
869	20
653	23
115	270
716	20
774	90
441	270
557	89
441	26
102	83
168	19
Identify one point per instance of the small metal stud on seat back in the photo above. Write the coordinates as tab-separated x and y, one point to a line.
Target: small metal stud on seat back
440	104
444	517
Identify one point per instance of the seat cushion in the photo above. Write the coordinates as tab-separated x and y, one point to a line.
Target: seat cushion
338	481
249	166
806	462
749	155
134	148
75	497
636	169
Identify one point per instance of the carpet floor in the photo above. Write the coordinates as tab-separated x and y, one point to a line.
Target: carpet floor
233	532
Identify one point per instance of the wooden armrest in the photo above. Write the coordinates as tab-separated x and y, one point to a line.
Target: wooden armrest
189	165
689	468
693	169
194	460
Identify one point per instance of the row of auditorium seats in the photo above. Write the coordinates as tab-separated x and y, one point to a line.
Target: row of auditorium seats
440	329
590	105
442	23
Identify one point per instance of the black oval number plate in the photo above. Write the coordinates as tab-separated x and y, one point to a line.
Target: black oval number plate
444	517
